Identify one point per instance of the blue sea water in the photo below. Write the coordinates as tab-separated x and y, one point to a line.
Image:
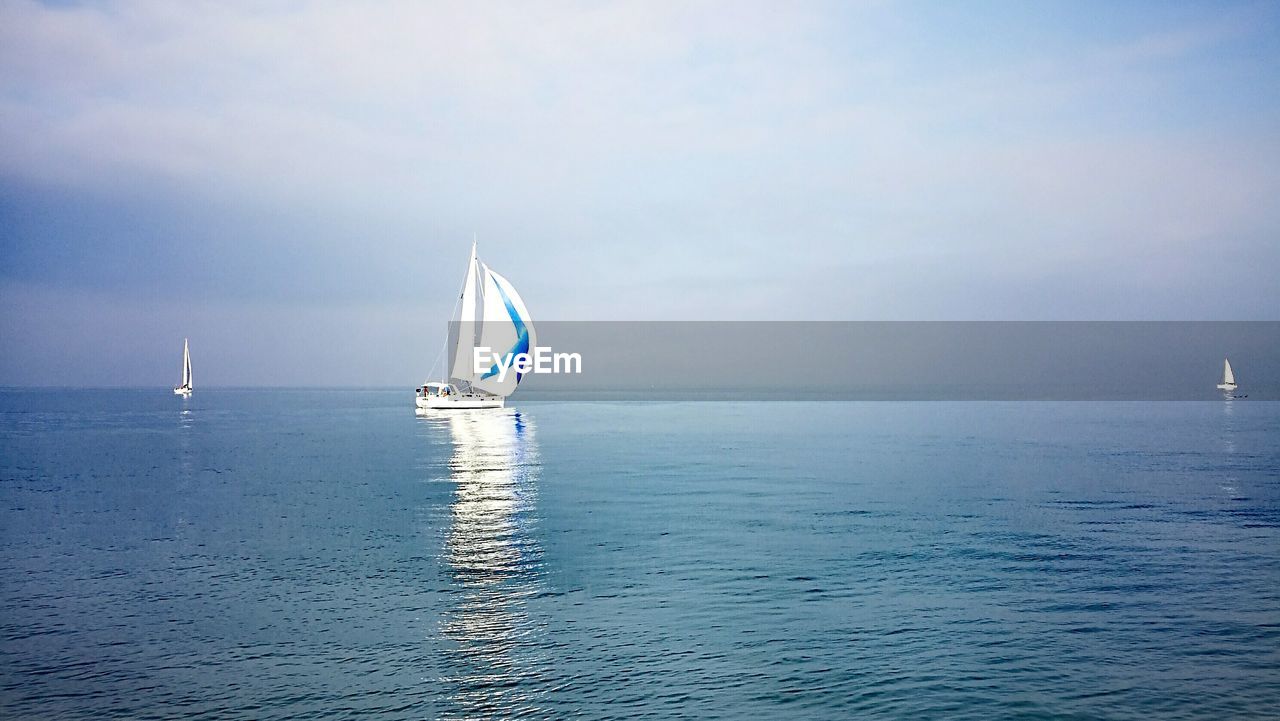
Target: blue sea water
309	554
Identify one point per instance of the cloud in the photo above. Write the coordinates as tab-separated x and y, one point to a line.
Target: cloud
394	94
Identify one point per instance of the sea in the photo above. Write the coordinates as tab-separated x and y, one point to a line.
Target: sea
307	554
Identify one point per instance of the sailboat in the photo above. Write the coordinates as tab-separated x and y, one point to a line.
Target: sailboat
185	388
1228	378
490	314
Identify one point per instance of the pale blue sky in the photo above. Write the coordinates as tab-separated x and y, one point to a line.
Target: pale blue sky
279	181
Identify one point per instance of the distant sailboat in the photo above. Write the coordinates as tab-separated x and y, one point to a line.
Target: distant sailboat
1228	378
185	388
491	315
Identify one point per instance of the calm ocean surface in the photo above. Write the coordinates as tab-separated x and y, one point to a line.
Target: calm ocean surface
309	554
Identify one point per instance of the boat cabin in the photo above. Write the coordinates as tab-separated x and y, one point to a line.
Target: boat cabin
437	390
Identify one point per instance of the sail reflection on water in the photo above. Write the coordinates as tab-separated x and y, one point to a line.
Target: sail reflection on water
494	562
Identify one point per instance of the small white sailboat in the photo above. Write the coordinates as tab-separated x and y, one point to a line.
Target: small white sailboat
490	314
185	388
1228	378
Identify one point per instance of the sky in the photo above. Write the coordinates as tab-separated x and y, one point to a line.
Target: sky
295	185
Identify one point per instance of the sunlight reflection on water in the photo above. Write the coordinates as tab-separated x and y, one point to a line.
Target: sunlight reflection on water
495	562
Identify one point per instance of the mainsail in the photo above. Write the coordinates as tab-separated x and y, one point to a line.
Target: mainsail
492	315
1228	378
186	364
462	330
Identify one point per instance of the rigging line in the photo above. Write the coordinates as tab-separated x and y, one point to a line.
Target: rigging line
431	373
445	345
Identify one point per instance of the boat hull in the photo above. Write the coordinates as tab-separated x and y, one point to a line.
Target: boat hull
1226	386
459	403
182	391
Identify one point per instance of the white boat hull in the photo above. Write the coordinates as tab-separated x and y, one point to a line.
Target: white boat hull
435	403
182	391
1227	386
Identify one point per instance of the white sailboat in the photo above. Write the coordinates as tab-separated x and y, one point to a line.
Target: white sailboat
490	314
185	388
1228	378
